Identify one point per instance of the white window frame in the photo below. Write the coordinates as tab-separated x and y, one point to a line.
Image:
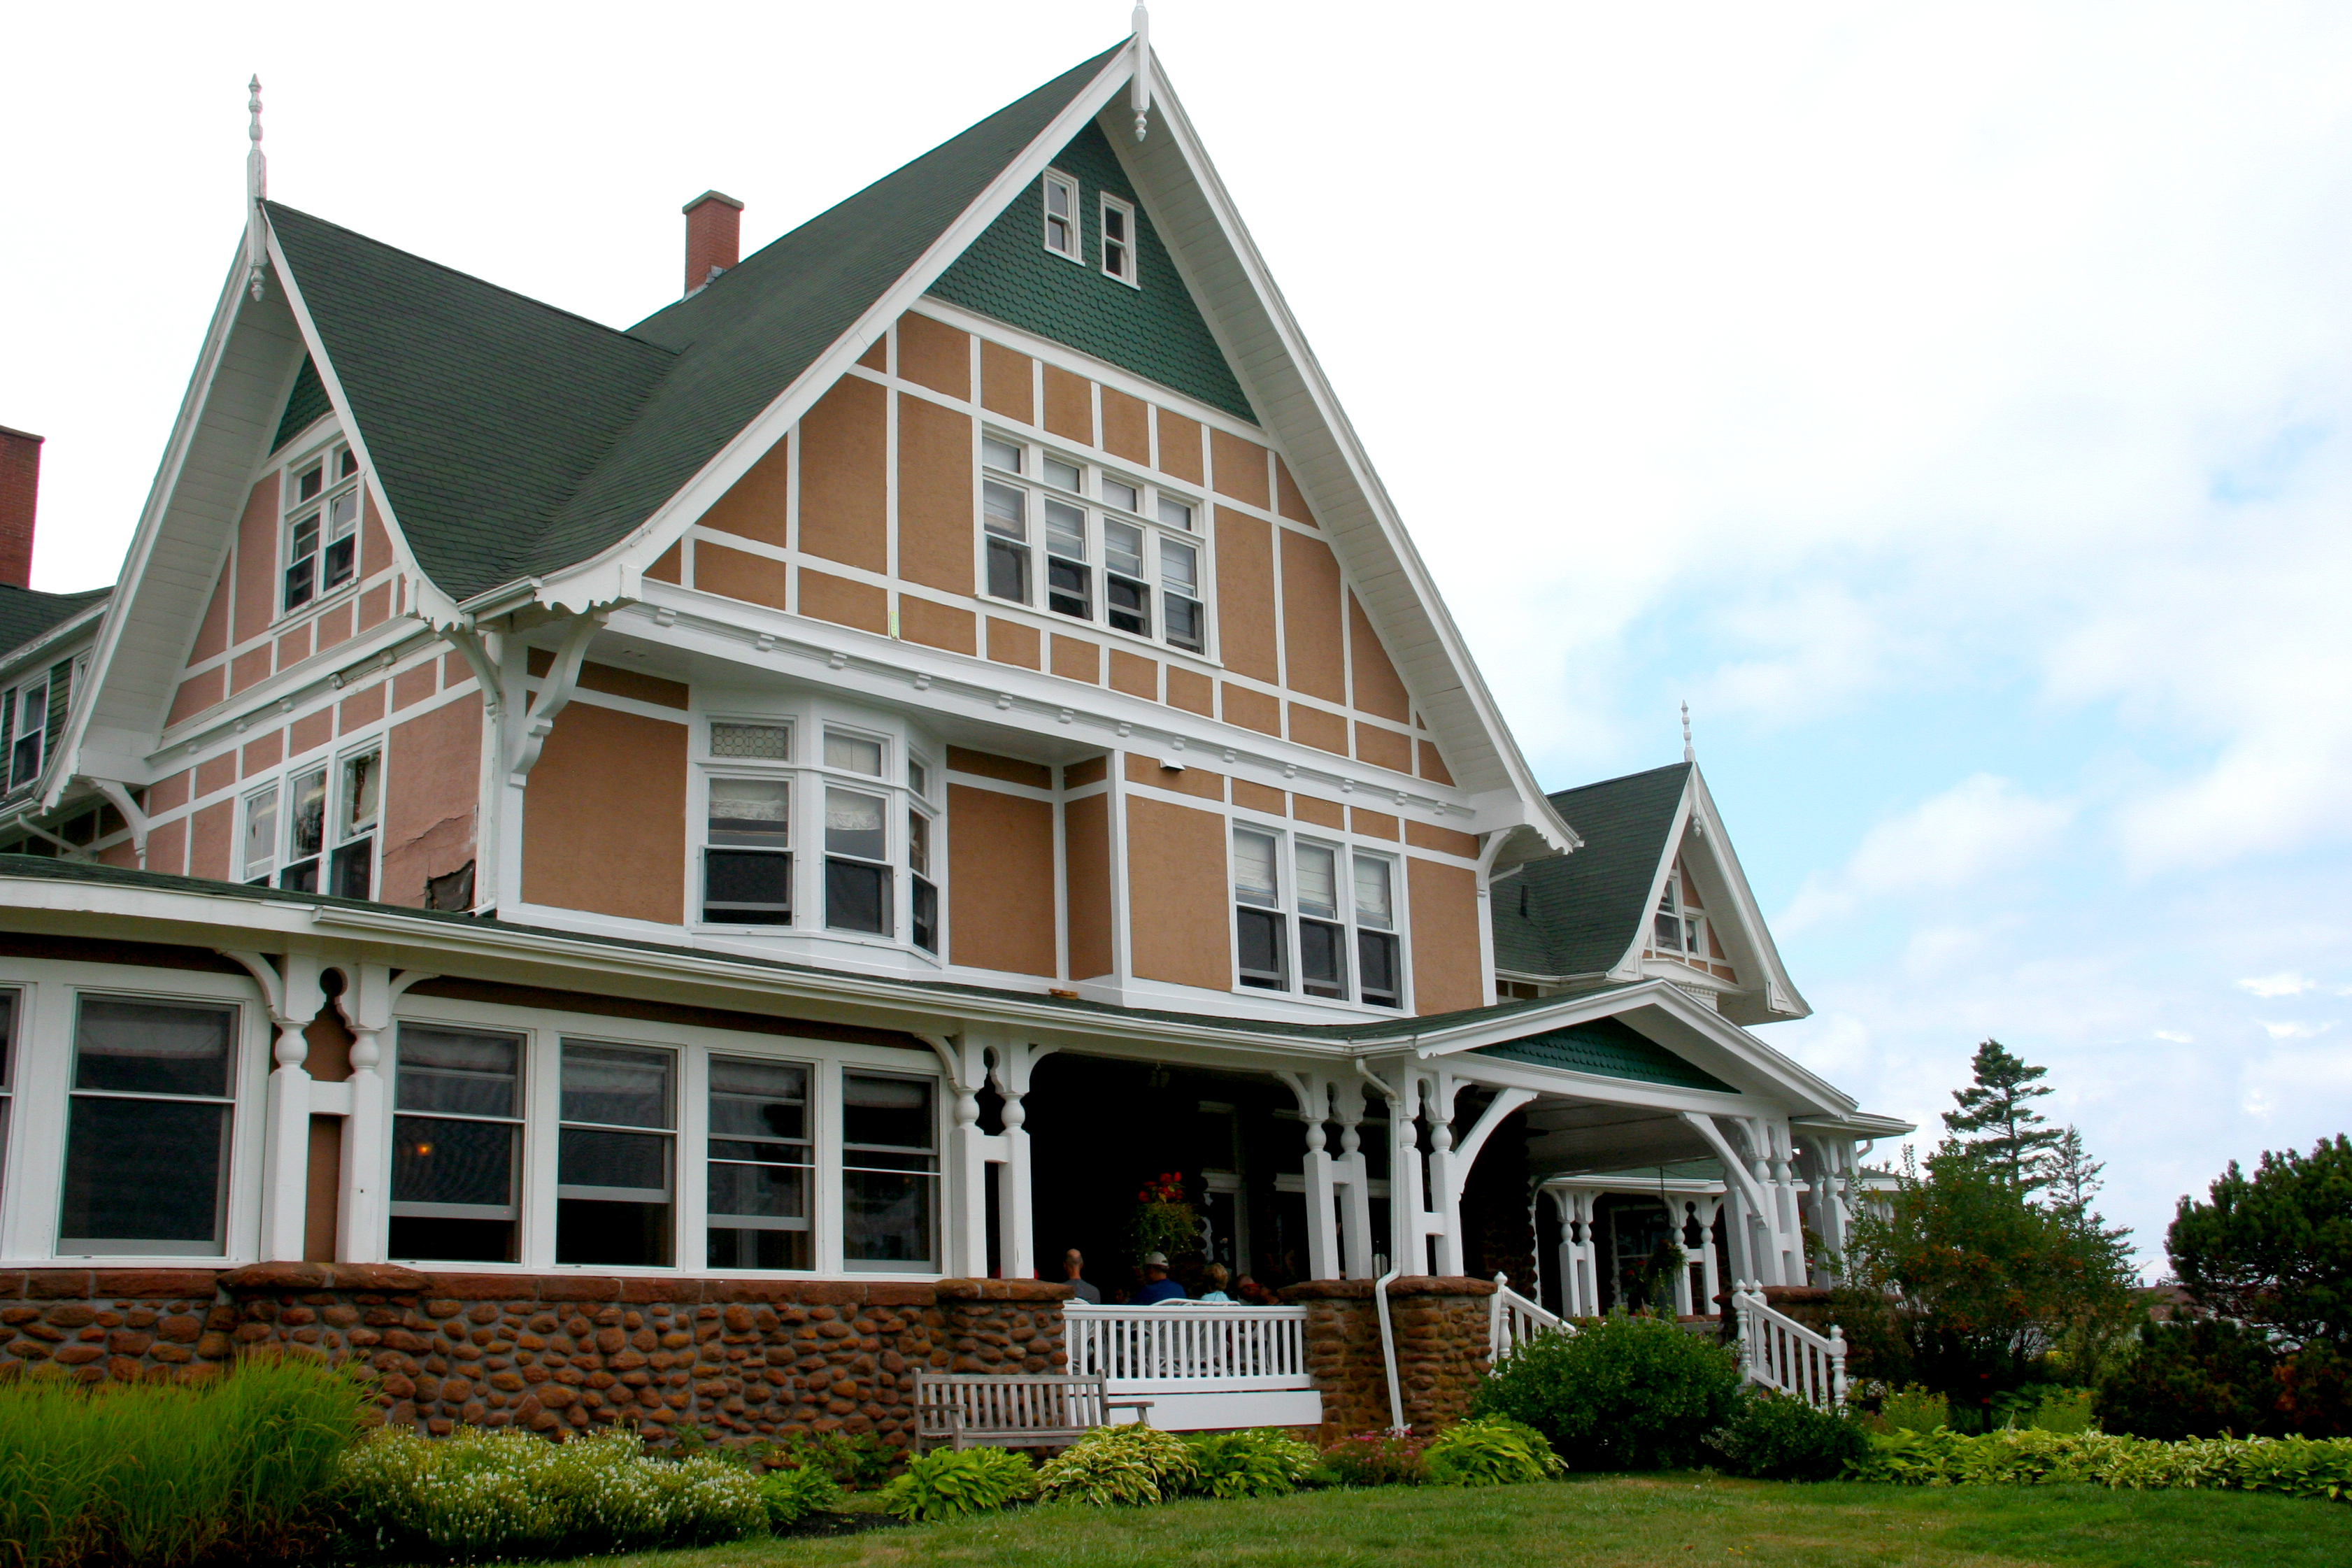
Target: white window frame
938	1173
1689	920
715	769
1291	916
812	1222
518	1121
234	1101
1099	509
12	1051
1106	206
18	733
562	1039
1055	179
344	836
331	457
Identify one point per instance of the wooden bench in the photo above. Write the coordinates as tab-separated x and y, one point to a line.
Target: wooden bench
965	1409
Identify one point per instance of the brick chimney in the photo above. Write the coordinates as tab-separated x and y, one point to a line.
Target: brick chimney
20	485
714	237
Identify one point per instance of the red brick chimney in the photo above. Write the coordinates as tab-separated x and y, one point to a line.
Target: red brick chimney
714	237
20	485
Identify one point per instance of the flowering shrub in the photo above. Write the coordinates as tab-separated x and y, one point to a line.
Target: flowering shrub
475	1496
1265	1462
1377	1459
1133	1464
950	1483
2294	1467
1490	1451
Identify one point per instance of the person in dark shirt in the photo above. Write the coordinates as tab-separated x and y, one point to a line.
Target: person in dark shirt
1156	1286
1073	1268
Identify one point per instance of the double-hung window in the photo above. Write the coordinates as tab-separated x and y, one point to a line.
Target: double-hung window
28	711
761	1165
1340	905
1061	193
147	1128
456	1144
1118	241
615	1157
1679	926
322	523
295	825
1118	552
9	1009
359	794
889	1172
857	872
747	863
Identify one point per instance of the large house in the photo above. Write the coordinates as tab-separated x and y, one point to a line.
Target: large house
836	786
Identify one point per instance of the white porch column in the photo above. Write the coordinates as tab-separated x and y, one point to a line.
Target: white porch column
965	1058
1355	1188
1588	1257
1015	1210
1711	1276
285	1114
363	1215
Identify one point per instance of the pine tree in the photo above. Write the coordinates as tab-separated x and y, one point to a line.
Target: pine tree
1997	1124
2074	1175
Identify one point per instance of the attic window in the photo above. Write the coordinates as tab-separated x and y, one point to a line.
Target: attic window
1118	241
1680	926
322	522
1062	214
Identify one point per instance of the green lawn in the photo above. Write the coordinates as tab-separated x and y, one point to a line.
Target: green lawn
1639	1522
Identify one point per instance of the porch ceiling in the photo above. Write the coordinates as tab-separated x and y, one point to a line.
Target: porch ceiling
1567	1137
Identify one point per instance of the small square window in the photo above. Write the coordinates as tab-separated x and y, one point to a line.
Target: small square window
1176	513
751	742
1064	476
997	454
1062	214
1118	493
853	753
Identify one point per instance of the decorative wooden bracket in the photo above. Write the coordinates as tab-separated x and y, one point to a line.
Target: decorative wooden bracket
555	696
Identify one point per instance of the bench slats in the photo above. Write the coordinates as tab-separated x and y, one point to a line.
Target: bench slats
1038	1411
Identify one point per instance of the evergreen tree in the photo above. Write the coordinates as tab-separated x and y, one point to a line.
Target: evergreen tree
2074	1175
1997	1125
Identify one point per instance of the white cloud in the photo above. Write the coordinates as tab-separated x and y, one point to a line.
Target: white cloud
2295	1030
2173	1037
1981	825
2287	984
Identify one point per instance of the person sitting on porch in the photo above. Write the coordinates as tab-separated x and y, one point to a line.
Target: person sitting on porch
1156	1286
1255	1294
1073	1268
1215	1278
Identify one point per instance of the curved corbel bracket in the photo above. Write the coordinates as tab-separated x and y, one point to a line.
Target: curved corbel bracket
555	696
468	642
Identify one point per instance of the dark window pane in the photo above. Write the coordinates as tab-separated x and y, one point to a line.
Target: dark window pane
152	1048
338	560
7	1036
300	878
1262	949
1008	571
633	1164
886	1216
765	1192
629	1234
925	913
1129	605
1067	588
758	1100
441	1161
759	1250
456	1070
1183	621
889	1113
145	1173
619	1086
452	1240
1376	960
354	869
1321	966
857	897
747	887
297	581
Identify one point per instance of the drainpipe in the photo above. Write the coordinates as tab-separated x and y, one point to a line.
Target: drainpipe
1388	1346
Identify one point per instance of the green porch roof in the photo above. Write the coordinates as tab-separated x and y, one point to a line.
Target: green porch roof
1606	1048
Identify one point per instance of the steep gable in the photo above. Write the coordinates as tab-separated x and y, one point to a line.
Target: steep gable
1156	331
1578	914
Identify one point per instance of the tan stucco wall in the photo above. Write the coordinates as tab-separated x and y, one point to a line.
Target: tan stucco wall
604	815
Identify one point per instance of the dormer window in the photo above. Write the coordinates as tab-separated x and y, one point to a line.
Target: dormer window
322	524
29	706
1062	214
1681	924
1118	241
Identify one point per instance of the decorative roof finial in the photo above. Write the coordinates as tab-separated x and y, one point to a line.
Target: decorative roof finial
256	188
1688	755
1140	91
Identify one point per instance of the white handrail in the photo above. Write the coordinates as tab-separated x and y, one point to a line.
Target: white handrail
1779	1353
1198	1345
1512	1319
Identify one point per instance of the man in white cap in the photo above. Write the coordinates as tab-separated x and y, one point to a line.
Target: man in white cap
1156	1286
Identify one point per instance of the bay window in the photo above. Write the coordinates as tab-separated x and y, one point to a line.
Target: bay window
456	1142
747	863
889	1172
1113	545
147	1128
614	1156
761	1165
856	861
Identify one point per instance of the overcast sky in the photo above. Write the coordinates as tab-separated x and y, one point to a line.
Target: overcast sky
1949	402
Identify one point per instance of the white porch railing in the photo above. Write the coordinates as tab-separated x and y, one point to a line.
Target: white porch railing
1779	1353
1188	1347
1512	1320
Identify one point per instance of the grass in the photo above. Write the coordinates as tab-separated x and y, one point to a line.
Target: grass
1612	1522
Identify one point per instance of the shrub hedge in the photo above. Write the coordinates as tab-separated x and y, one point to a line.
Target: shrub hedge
1775	1437
1621	1394
2294	1467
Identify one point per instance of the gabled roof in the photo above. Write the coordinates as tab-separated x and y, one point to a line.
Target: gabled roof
1582	911
511	438
26	613
1587	915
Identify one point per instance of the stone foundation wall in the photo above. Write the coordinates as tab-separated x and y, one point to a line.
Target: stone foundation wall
735	1358
1441	1327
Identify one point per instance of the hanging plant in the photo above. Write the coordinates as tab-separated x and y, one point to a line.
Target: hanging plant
1165	1221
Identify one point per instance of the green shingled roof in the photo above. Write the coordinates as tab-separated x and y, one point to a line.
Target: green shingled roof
1579	914
1156	330
514	439
304	404
26	612
1608	1049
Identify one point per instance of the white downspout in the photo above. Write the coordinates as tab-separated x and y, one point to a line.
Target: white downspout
1388	1345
